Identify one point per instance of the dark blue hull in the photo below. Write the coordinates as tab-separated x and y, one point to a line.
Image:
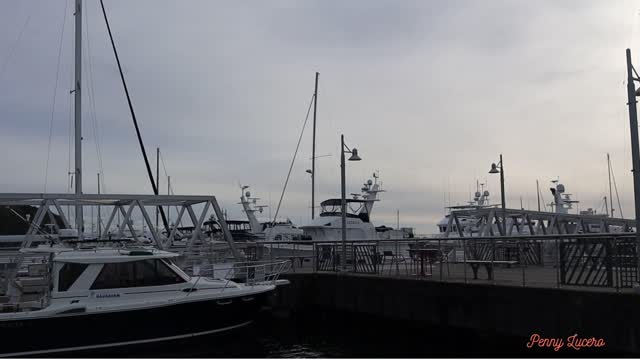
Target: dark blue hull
82	332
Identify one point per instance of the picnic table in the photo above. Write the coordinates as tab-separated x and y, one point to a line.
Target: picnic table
425	253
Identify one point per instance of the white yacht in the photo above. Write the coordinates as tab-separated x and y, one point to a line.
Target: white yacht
268	231
328	226
111	297
468	223
562	204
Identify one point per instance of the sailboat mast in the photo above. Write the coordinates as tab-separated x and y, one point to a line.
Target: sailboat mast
610	193
99	216
78	116
313	151
538	193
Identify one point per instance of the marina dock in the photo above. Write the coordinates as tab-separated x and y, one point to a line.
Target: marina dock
506	310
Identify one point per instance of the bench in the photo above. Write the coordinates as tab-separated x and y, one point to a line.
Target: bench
488	264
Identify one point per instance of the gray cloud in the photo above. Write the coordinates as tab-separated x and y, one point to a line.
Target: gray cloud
429	92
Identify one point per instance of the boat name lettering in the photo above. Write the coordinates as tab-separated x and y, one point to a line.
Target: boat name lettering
12	324
112	295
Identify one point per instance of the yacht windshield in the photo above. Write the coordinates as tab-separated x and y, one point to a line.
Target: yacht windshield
151	272
69	273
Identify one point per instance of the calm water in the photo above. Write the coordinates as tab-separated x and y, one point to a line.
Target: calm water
330	334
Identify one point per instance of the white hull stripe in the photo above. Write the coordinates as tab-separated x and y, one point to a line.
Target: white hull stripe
125	343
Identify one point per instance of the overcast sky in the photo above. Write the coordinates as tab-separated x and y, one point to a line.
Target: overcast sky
430	92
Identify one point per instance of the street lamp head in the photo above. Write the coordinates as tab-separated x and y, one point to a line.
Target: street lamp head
354	155
309	171
494	169
638	92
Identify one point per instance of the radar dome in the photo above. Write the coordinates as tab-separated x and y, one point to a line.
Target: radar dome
486	193
477	194
248	194
369	182
560	188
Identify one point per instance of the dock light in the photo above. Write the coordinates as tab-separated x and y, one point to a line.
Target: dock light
495	169
344	149
354	155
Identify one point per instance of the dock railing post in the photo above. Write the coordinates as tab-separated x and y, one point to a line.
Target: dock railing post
557	258
441	254
615	266
353	256
293	259
315	256
375	256
464	256
415	256
522	261
493	256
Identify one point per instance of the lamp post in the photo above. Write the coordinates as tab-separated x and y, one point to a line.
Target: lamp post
632	93
494	170
343	200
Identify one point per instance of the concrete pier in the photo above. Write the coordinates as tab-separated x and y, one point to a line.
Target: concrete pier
507	310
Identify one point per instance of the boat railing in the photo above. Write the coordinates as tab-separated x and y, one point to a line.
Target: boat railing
248	273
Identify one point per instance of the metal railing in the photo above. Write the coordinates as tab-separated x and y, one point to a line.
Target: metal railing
248	273
599	260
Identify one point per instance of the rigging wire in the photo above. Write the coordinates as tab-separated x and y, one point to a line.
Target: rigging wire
92	103
170	186
55	92
13	47
544	204
166	175
294	158
133	115
615	186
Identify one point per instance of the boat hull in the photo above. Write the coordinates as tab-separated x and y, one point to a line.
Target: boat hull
82	332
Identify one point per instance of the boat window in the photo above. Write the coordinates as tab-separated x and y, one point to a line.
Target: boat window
69	273
135	274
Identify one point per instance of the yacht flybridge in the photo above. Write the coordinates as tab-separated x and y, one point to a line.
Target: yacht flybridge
269	231
328	226
103	297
